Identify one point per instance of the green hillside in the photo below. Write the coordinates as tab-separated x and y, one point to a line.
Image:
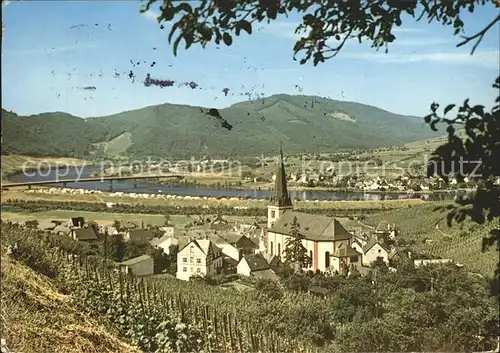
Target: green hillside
303	123
424	229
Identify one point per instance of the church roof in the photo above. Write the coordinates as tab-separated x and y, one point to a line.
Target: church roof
280	196
312	226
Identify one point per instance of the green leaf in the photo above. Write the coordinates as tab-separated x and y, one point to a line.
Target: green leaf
228	40
246	26
168	14
448	108
172	31
309	18
478	110
176	44
186	7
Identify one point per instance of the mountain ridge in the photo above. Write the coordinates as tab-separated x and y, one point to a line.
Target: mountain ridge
305	124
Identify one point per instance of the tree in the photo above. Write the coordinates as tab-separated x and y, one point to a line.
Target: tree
295	252
337	21
117	225
269	289
476	157
167	220
116	246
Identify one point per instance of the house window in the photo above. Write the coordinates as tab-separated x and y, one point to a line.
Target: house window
191	269
191	259
198	261
327	259
379	250
272	248
354	258
279	249
184	269
198	270
184	259
273	214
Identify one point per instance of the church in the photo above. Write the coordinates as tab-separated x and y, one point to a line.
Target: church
328	243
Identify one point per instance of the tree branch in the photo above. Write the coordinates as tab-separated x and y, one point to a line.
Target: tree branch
479	36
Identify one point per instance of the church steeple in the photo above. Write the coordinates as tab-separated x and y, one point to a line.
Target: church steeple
280	197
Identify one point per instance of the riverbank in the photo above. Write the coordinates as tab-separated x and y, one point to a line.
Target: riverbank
291	187
96	196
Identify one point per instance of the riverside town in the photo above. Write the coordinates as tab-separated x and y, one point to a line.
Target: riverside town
252	176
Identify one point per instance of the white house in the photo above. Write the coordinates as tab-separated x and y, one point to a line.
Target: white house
258	266
164	243
372	251
138	266
357	245
199	257
226	248
168	230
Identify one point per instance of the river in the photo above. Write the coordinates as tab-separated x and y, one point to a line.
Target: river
149	187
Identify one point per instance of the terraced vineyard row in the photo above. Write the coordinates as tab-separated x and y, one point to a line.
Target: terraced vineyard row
462	242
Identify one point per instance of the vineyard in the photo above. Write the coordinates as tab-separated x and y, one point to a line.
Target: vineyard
424	229
162	315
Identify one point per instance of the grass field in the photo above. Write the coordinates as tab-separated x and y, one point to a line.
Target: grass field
461	242
108	218
116	146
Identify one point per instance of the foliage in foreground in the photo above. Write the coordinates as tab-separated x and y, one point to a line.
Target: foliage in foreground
426	309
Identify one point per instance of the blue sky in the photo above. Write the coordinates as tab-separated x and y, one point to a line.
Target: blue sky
52	49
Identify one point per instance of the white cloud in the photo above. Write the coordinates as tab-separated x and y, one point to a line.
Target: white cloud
487	58
406	30
421	41
286	30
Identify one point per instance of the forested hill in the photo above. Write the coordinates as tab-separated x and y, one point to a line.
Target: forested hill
302	123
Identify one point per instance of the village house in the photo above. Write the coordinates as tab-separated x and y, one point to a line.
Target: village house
77	222
164	243
227	249
345	257
244	244
138	266
83	234
323	235
256	266
372	251
139	236
397	256
168	230
357	244
385	227
110	230
199	257
61	229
